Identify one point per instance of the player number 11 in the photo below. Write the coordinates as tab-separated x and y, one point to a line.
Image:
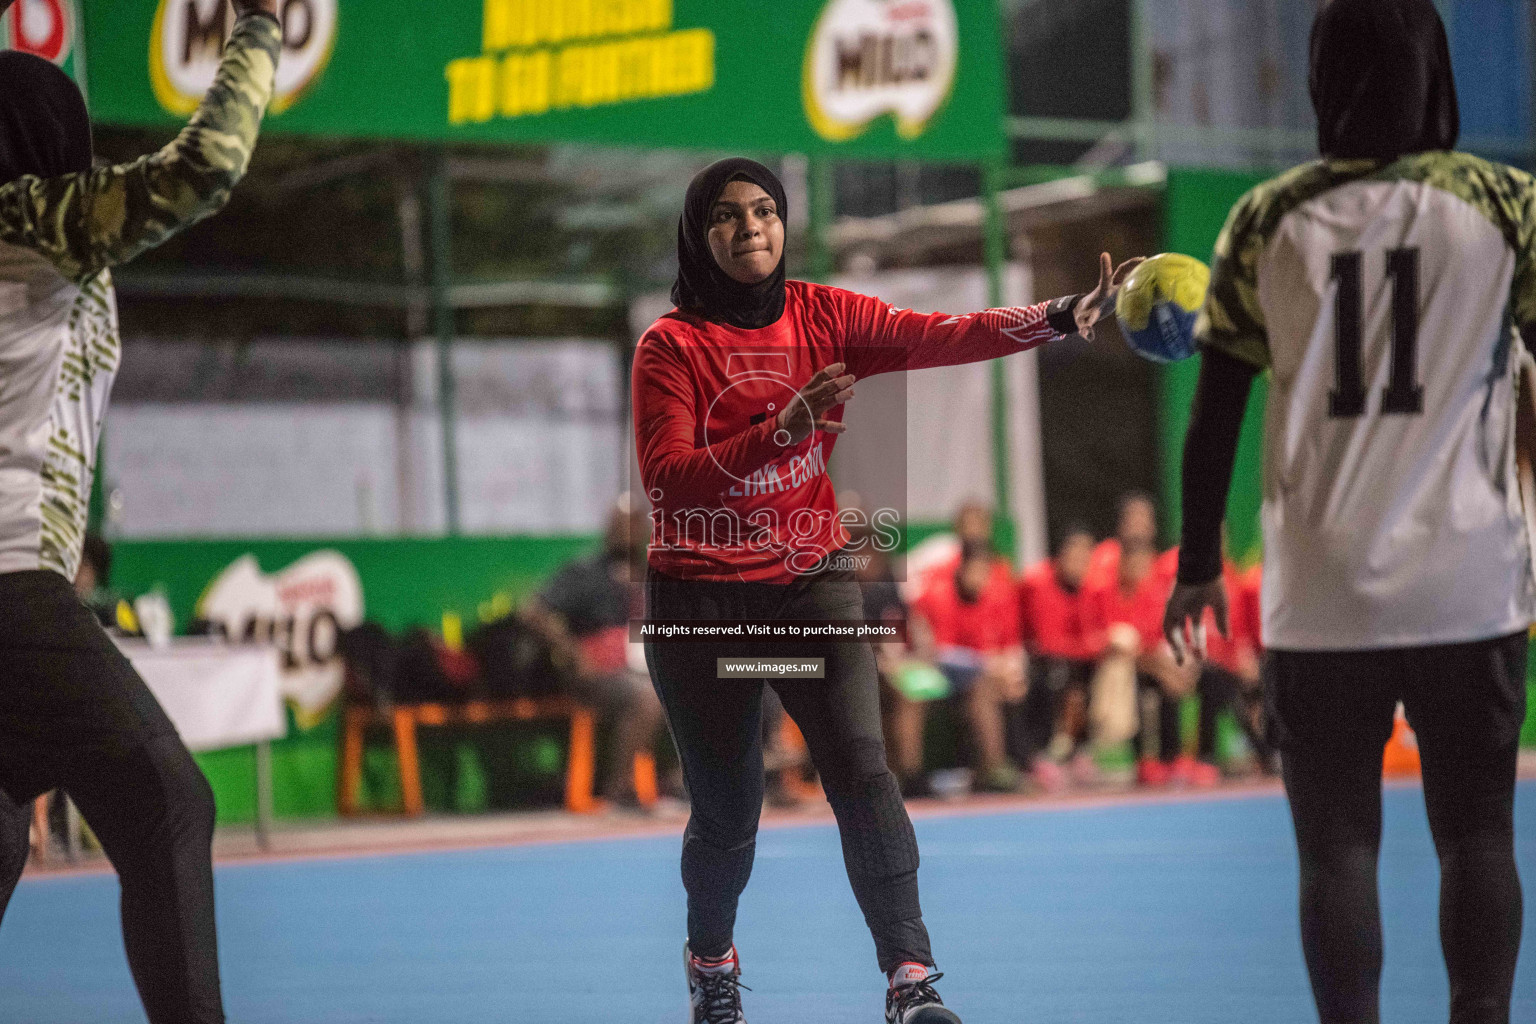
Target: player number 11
1403	395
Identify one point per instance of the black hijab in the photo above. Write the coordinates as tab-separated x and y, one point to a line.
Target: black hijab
1381	79
701	285
44	127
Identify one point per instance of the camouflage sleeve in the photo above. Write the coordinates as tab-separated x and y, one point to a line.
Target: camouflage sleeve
1232	320
85	223
1522	289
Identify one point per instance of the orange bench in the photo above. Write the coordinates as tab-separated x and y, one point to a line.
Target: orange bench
403	720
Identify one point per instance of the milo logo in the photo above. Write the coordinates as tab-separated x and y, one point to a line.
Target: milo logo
45	28
869	58
302	610
188	38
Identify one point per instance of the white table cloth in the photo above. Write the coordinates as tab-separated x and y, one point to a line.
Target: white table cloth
217	695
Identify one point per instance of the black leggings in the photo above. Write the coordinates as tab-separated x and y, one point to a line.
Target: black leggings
717	727
1330	715
75	716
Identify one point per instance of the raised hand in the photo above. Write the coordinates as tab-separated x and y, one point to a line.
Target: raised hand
1097	304
828	388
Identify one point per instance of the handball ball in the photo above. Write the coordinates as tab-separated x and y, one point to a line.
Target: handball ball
1158	304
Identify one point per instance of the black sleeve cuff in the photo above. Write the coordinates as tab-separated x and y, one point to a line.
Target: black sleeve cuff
1059	313
1198	566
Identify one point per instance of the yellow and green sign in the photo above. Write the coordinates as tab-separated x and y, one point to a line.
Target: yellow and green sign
876	78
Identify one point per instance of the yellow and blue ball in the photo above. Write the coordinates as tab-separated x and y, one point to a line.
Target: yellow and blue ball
1158	304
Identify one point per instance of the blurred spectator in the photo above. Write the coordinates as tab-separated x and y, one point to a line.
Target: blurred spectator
1135	523
971	619
877	580
585	611
93	584
940	554
1123	619
95	566
1061	659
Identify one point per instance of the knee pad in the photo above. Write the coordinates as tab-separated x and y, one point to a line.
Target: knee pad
878	841
717	838
859	763
714	871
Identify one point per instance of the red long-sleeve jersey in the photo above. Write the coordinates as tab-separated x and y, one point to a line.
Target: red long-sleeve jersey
1228	651
1052	616
729	500
1105	603
961	631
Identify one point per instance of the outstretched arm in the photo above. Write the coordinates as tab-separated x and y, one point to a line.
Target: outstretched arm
84	223
882	339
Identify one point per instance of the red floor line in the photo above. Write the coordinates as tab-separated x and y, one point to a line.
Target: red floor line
920	810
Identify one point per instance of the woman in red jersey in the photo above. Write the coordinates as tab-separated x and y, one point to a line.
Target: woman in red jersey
737	395
972	615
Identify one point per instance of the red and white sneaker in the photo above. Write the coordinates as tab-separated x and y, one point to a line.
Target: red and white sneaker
1188	771
1152	773
714	988
1048	775
911	998
1085	770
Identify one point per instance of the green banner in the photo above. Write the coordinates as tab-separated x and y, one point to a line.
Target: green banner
47	28
875	78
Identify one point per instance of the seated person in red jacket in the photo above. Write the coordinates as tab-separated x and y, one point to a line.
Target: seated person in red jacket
585	611
1141	586
971	619
1061	661
1135	523
939	554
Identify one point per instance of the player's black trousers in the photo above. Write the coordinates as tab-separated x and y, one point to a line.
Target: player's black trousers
716	725
75	716
1330	715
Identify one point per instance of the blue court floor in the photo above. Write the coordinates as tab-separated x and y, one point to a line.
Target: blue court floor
1170	912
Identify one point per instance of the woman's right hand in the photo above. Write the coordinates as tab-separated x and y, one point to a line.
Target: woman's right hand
829	388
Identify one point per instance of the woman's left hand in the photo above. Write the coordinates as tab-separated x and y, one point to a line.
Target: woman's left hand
1097	304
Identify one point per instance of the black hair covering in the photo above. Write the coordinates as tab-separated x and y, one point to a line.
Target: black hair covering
701	285
44	127
1381	79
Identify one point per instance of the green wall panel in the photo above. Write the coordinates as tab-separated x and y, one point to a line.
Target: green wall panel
1196	206
406	582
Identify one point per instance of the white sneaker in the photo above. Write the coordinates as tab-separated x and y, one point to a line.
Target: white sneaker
714	989
911	999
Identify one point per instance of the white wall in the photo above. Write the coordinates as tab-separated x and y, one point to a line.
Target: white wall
540	448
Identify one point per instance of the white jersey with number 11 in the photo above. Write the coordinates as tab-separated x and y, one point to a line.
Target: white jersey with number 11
1385	299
